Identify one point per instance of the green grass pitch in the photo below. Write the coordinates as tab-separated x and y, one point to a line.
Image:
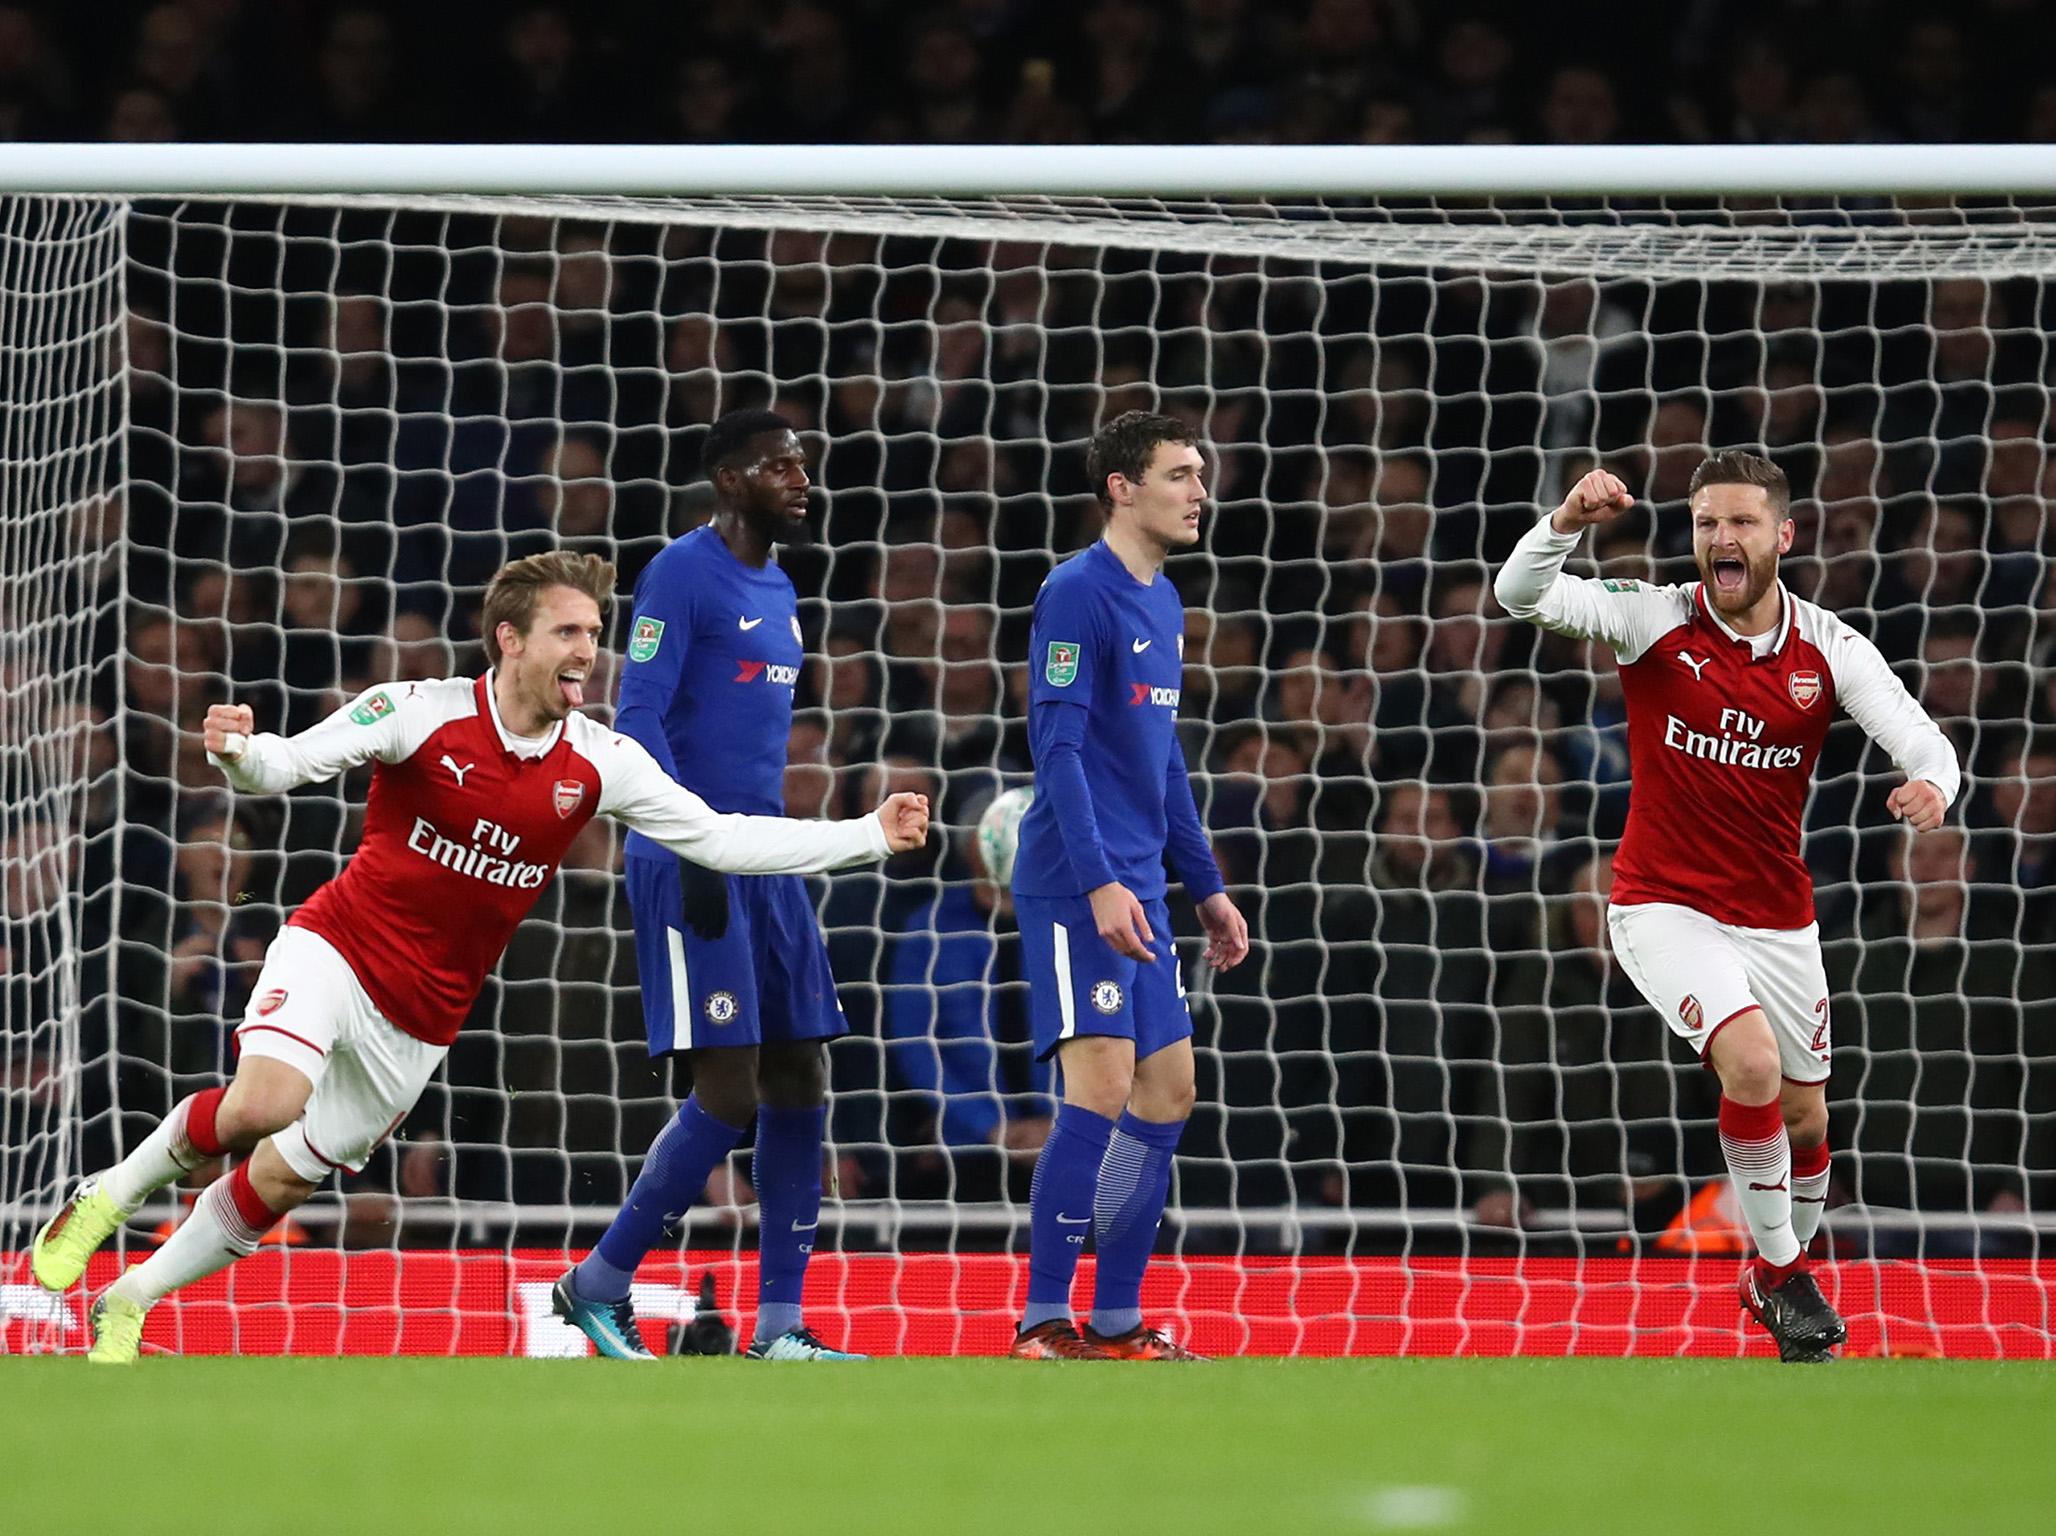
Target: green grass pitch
912	1447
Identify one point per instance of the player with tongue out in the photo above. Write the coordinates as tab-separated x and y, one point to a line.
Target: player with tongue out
478	788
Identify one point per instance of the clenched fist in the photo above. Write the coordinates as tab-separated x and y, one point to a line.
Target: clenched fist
227	728
1919	804
905	818
1598	498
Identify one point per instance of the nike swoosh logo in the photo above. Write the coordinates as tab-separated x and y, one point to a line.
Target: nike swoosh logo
808	1227
1072	1221
1139	646
747	623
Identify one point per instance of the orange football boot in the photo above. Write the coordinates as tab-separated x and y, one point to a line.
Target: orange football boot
1139	1343
1054	1340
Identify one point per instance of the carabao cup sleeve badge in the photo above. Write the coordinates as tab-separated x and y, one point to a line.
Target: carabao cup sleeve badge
646	637
1062	667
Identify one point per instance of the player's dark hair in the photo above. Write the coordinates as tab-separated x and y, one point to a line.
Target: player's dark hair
1125	445
733	432
1734	466
519	585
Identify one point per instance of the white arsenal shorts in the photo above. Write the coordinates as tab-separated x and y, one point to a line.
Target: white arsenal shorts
310	1012
1699	974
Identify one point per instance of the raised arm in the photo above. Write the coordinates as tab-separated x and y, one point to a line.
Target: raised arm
374	724
1531	585
643	796
1891	717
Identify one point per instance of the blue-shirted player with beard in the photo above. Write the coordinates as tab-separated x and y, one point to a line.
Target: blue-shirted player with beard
1112	799
734	971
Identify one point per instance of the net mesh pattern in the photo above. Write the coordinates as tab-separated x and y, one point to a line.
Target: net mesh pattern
345	413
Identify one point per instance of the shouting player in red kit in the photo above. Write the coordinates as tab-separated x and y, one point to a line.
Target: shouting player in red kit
1731	683
479	787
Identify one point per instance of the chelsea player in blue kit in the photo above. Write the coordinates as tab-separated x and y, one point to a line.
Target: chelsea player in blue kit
1112	799
734	970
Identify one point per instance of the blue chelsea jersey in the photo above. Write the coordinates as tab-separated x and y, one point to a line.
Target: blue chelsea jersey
1110	646
714	655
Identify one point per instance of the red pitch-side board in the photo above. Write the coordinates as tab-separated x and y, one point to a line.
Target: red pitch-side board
418	1302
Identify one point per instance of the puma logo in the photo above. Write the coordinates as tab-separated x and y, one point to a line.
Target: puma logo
1768	1189
747	623
1698	667
456	772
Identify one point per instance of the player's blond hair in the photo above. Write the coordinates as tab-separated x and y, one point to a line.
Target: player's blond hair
518	587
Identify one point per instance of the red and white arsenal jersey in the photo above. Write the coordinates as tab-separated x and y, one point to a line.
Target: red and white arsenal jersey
466	823
1723	731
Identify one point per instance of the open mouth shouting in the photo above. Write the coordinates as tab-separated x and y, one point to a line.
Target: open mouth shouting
1730	573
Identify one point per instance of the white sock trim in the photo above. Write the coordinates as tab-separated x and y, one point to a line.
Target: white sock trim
1762	1176
160	1158
213	1237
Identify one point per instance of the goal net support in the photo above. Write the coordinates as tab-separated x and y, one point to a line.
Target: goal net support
61	470
270	420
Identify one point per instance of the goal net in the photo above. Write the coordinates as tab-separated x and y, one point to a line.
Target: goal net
277	454
60	589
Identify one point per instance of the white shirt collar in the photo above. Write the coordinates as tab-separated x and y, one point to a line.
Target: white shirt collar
520	746
1765	644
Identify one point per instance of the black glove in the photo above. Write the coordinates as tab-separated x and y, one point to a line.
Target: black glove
708	1333
705	903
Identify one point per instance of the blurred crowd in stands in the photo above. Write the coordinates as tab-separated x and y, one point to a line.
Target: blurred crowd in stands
343	422
1029	71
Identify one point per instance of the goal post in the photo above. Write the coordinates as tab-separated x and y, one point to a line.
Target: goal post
275	413
978	171
61	467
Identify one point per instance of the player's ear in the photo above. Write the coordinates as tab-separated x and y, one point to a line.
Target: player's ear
1787	531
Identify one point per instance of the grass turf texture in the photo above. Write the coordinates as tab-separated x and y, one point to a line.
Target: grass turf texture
918	1446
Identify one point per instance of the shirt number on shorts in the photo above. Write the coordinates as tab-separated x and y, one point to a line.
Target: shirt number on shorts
1820	1030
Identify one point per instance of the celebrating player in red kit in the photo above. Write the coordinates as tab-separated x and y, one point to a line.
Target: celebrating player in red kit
1731	683
479	787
